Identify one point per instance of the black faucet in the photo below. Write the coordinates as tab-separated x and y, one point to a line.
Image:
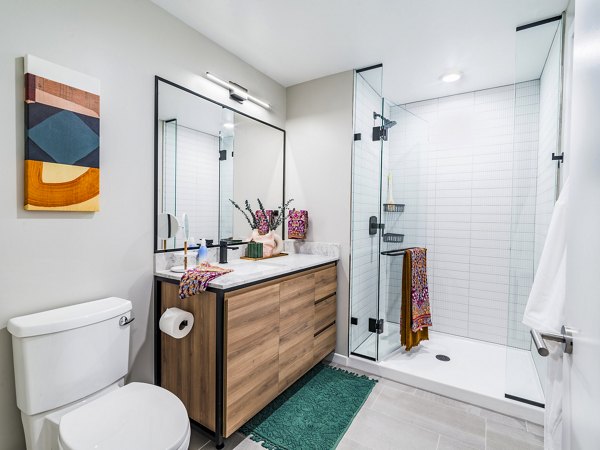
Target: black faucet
223	246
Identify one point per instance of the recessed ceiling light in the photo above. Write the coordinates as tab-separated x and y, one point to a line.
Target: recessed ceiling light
228	125
451	77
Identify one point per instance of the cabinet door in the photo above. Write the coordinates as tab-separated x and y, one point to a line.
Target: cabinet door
296	328
252	354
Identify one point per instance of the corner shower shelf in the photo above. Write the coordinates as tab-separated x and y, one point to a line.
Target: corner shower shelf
393	237
393	207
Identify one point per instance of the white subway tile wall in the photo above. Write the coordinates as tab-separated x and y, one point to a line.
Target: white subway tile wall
465	167
546	168
226	188
194	163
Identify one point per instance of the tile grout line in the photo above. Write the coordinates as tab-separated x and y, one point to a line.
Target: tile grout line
485	434
378	394
438	442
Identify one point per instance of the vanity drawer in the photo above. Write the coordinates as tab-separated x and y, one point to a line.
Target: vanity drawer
325	282
325	313
324	343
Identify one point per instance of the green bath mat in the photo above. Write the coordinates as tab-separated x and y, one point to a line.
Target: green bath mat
314	413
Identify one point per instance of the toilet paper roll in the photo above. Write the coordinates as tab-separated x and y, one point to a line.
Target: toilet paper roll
176	322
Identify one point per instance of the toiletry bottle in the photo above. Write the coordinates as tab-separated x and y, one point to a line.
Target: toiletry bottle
202	252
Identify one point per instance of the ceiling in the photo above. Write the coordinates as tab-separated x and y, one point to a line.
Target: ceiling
417	41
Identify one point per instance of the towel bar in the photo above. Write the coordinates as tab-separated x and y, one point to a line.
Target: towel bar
565	337
396	252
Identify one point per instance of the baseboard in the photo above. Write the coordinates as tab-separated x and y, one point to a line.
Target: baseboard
338	358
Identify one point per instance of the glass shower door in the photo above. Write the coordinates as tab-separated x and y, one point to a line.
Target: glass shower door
366	215
536	148
384	154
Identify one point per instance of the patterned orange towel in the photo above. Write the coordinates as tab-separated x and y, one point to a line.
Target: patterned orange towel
415	315
196	280
421	311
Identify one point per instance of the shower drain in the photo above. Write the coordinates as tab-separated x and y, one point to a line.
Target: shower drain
442	357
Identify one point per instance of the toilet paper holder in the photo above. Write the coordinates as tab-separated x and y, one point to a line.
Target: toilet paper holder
183	324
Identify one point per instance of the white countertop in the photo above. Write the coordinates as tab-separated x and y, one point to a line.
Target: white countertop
246	271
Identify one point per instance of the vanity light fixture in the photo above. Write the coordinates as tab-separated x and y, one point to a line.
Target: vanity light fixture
237	92
451	77
228	125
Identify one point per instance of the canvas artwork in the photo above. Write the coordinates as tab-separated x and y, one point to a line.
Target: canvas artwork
62	145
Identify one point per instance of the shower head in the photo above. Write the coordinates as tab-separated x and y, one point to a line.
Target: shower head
387	123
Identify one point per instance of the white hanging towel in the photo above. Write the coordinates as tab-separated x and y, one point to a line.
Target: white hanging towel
546	303
545	312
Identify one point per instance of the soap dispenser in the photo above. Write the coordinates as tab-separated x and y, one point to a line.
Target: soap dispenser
202	252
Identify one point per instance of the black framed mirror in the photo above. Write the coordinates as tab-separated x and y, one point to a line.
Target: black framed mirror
206	153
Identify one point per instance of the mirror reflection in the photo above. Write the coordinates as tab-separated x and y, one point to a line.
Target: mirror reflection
208	155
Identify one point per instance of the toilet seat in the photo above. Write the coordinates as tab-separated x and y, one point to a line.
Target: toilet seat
137	416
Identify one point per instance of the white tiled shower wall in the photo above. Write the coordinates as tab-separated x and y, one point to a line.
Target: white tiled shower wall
549	117
194	163
465	166
546	168
226	191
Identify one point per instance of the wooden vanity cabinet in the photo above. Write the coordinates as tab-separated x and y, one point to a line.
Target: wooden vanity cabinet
273	333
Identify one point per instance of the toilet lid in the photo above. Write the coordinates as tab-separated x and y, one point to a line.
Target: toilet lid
136	416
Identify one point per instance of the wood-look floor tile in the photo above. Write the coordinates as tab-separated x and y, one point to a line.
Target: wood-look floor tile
503	437
432	415
536	429
503	419
372	429
447	443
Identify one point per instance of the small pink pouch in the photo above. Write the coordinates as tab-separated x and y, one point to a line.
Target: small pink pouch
298	224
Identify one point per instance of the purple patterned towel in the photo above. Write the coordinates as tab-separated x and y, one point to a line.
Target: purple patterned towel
196	280
421	310
264	221
298	224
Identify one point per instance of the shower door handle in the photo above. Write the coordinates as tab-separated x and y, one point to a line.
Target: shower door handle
374	225
565	337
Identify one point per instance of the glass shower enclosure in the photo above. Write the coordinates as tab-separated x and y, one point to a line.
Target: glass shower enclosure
539	73
377	238
478	175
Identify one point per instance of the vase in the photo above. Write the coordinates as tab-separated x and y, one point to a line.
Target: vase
272	242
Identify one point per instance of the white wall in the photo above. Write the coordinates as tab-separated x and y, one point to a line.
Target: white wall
257	169
55	259
318	168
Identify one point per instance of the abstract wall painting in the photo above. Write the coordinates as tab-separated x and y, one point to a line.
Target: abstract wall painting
62	145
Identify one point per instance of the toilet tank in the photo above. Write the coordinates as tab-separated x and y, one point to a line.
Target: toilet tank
66	354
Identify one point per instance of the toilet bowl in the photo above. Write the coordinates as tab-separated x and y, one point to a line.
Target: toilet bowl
136	416
70	364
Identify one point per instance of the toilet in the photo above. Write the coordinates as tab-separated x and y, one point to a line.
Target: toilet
70	365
